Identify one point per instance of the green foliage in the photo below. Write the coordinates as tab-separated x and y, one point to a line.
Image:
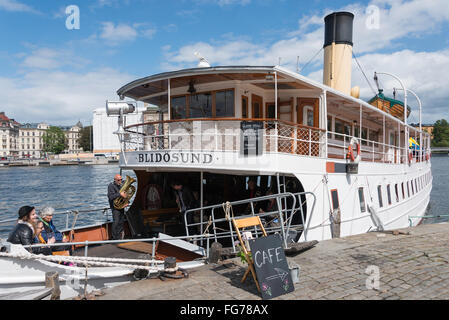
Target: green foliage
441	134
241	254
85	140
54	140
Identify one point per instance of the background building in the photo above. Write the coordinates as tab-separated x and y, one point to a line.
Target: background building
30	140
72	134
9	134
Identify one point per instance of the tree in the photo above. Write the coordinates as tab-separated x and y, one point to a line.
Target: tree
440	134
85	139
54	140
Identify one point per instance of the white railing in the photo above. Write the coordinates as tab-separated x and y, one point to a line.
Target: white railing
224	134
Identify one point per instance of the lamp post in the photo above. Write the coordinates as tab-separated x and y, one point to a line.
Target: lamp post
405	107
420	118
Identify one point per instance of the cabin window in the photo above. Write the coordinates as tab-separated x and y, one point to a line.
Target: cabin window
178	107
364	136
403	191
224	104
271	111
392	143
334	196
206	105
309	116
408	189
329	127
413	189
396	189
244	107
374	136
416	185
339	128
379	194
201	105
389	194
362	200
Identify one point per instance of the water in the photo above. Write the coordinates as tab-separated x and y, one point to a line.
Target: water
85	187
61	187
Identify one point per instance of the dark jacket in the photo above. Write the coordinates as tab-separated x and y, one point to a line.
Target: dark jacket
113	193
24	234
186	199
50	227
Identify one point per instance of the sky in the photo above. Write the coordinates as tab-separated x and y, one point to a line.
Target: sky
56	70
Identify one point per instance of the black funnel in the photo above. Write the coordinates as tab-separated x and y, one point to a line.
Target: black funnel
338	28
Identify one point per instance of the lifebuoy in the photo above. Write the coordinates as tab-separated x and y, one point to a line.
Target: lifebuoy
351	156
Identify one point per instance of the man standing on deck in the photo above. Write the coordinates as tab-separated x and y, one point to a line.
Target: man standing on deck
118	216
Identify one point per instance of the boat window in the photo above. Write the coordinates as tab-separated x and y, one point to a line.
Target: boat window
379	194
201	105
403	191
362	200
271	110
309	116
335	202
364	136
244	107
388	194
374	136
408	189
224	103
329	127
178	107
413	189
339	128
416	185
396	189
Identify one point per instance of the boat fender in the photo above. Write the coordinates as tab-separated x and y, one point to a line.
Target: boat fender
351	156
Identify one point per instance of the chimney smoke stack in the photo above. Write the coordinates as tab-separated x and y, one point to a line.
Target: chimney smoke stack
338	51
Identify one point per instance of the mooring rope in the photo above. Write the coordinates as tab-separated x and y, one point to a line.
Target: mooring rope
84	261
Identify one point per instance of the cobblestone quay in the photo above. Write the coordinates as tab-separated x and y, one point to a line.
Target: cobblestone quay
370	266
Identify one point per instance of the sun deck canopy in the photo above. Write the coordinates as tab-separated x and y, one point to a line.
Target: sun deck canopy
150	89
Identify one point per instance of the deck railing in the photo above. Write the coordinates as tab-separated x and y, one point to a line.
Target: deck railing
224	134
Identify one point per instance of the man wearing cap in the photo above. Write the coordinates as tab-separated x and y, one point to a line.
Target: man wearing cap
23	232
118	216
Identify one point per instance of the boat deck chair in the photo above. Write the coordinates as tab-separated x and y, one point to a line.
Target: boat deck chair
245	223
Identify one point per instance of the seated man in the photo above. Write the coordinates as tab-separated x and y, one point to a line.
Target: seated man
49	231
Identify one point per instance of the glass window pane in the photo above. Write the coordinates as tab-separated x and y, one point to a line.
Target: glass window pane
178	107
364	136
379	194
271	111
362	200
201	105
388	194
339	128
244	107
310	118
224	103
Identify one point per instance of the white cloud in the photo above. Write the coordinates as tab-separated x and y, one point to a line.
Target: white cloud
16	6
59	97
424	72
115	34
46	58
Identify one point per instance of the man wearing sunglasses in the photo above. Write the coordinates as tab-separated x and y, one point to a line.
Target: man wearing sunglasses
118	216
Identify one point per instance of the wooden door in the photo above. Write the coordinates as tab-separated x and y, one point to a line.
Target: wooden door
257	106
308	116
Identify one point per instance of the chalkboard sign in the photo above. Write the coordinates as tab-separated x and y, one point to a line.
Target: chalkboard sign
251	138
271	266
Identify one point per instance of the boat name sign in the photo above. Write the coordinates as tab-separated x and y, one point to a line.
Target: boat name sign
175	157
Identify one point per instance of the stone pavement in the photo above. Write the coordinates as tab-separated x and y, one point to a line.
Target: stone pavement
414	266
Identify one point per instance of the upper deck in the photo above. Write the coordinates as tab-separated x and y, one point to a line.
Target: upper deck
219	115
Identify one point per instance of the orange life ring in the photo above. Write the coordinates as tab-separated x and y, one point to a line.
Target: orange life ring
351	150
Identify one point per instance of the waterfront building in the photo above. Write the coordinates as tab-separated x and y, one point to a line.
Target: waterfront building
9	133
30	141
72	135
